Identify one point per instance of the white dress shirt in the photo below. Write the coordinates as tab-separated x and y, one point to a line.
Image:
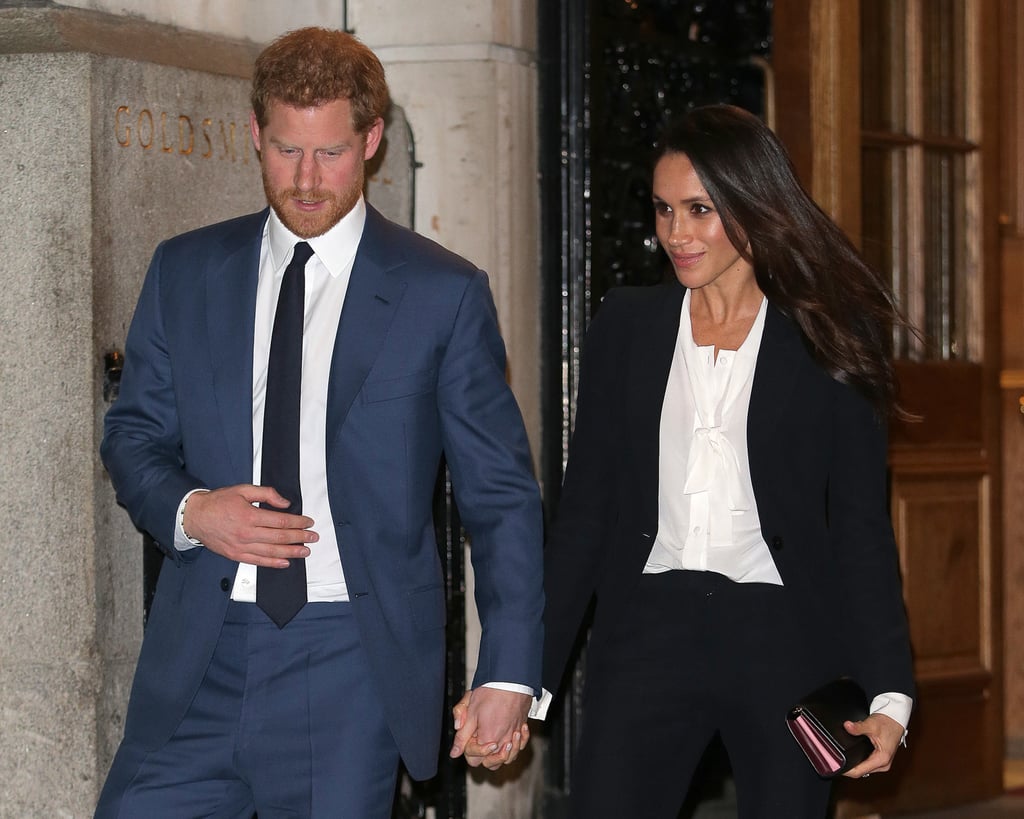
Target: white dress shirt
327	277
326	280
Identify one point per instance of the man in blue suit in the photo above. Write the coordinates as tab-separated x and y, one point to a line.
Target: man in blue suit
307	713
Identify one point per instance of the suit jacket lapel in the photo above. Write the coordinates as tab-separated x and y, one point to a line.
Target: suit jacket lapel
230	319
650	366
373	296
775	376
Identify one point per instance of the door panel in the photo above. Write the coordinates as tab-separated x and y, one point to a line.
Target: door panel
938	521
925	213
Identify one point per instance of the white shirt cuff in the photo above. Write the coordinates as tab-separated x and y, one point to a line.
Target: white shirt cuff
895	706
539	707
183	542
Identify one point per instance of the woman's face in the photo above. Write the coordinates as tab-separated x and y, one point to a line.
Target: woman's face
691	231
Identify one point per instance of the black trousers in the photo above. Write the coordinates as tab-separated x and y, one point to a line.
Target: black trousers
694	655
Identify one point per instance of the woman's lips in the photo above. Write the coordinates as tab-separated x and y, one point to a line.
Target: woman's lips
686	259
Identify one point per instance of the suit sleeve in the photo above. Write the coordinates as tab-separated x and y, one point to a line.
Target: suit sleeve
865	549
578	541
498	499
141	447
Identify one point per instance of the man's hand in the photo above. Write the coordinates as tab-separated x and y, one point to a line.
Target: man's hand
491	727
885	734
227	523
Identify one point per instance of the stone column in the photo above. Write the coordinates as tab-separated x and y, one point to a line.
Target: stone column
466	75
48	673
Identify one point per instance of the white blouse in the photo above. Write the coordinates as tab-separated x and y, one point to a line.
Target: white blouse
707	515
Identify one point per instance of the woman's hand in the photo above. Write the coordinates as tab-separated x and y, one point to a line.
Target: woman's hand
885	734
476	714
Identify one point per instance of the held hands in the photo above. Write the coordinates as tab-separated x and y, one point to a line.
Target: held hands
227	523
490	727
885	734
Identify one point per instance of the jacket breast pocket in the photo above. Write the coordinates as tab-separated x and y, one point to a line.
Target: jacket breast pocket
388	389
428	608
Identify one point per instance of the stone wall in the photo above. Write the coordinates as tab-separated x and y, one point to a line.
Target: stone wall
48	680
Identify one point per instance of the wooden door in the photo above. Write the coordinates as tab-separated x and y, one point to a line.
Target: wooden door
894	118
1011	57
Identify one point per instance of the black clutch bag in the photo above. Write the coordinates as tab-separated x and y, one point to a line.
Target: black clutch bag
816	723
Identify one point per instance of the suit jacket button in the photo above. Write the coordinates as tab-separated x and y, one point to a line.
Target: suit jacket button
224	584
777	543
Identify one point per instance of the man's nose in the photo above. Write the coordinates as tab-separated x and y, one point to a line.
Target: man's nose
307	174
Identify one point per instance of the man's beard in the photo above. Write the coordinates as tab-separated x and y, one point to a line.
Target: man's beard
308	225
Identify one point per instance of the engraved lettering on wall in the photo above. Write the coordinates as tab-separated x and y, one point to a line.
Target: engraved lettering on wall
151	131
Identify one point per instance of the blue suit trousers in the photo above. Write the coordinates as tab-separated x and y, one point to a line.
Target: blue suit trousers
286	723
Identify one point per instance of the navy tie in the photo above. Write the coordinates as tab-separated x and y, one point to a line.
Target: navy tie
282	592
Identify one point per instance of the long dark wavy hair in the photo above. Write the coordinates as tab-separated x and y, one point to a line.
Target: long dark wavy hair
803	262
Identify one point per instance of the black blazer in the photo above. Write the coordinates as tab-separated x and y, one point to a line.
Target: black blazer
818	468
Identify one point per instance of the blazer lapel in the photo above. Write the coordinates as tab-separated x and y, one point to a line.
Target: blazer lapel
775	376
230	319
373	296
651	362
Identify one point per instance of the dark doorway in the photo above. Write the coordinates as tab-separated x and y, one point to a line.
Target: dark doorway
611	73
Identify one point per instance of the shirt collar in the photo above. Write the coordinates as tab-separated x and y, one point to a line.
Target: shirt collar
335	249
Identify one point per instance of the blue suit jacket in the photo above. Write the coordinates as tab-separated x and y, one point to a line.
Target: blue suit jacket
418	369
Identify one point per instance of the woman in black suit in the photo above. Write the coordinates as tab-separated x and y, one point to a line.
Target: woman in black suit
725	495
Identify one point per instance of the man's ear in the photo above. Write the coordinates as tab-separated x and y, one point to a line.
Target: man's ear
254	130
373	139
